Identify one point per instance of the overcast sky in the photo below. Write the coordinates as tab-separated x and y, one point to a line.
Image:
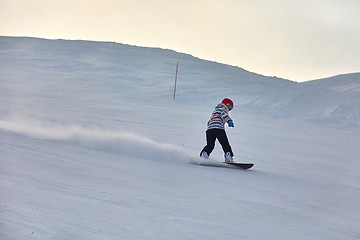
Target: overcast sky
294	39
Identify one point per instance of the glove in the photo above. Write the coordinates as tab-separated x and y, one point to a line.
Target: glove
231	123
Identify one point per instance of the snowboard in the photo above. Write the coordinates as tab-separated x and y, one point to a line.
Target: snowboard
243	166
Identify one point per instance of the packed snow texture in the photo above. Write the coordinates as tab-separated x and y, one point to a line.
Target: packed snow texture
94	147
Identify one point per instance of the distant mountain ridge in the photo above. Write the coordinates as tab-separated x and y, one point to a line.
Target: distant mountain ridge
150	72
343	82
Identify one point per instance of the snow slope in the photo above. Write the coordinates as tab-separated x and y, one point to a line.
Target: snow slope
344	108
149	71
344	82
92	146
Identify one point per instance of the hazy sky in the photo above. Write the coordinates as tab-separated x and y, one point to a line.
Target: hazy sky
294	39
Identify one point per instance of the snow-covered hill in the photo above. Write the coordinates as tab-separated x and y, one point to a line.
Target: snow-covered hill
92	146
344	82
151	72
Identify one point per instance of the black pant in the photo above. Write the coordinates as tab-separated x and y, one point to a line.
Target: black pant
220	135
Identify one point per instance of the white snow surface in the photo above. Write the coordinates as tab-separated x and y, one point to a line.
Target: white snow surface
92	146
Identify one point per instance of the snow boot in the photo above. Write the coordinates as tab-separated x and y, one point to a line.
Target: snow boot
228	158
204	155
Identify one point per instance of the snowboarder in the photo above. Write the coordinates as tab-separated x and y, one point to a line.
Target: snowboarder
216	130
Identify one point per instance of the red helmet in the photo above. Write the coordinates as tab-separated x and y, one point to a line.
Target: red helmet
228	102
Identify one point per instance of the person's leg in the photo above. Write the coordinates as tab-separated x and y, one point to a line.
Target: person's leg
224	141
210	142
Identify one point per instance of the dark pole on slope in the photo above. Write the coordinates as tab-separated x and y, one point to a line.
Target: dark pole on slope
177	68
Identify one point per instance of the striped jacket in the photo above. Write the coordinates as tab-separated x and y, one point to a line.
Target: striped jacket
219	117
